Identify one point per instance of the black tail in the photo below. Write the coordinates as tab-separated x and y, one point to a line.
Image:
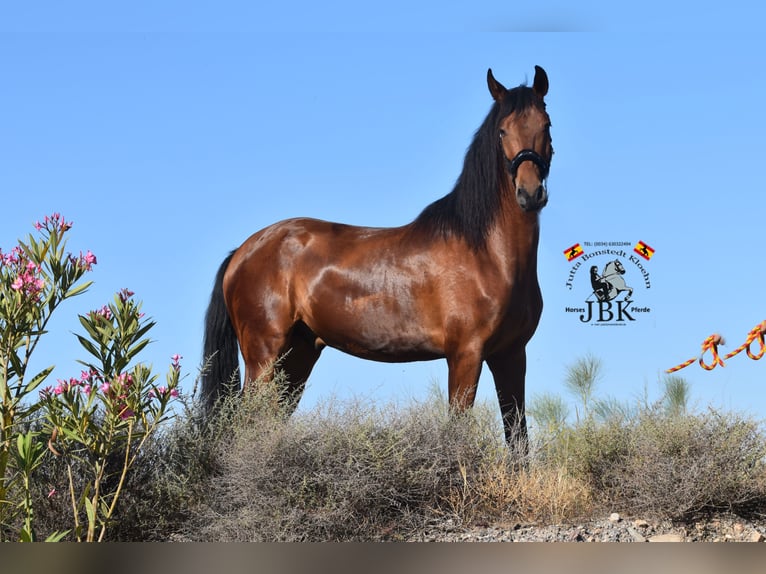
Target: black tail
221	350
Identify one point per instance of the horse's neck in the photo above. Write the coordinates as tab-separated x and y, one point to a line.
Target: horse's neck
515	238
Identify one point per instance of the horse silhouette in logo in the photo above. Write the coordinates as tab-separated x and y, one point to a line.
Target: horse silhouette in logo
610	283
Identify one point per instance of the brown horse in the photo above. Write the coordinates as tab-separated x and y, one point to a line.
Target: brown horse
459	282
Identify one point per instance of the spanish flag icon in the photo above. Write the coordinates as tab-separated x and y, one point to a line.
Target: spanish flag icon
573	252
644	250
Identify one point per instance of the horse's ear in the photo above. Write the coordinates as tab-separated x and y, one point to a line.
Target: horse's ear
495	88
540	85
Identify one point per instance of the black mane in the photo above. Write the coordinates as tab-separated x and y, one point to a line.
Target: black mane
469	210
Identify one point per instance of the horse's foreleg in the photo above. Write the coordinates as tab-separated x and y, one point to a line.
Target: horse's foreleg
509	371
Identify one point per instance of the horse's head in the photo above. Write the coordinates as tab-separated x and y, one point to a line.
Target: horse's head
525	139
614	268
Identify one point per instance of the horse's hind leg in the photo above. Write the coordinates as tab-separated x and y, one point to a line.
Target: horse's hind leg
464	368
294	354
302	349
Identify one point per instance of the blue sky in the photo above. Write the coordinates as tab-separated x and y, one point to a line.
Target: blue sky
170	132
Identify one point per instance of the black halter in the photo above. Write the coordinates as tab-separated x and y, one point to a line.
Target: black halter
528	155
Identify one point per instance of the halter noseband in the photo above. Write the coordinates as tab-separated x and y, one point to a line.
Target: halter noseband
528	155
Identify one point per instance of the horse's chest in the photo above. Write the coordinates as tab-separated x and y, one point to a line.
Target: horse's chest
520	317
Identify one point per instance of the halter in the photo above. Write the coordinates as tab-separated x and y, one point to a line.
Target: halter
528	155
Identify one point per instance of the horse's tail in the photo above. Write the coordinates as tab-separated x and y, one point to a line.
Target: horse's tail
220	374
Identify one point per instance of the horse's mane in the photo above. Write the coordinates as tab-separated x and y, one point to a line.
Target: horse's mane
469	210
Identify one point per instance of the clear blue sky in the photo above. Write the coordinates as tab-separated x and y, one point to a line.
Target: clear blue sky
169	132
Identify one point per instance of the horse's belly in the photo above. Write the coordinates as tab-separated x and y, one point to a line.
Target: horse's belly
387	337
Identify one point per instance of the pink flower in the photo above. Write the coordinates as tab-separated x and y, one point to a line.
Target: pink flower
174	393
104	312
12	258
105	387
126	413
17	284
125	294
125	379
86	261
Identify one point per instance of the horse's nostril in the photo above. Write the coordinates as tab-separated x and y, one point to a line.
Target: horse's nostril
522	197
529	202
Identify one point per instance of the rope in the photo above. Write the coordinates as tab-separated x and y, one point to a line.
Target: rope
756	333
711	344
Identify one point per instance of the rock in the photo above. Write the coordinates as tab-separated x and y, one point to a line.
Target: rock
637	536
669	537
576	536
755	536
614	518
640	523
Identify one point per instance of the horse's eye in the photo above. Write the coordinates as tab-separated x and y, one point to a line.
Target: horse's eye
502	133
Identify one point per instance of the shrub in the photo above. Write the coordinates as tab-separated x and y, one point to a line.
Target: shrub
659	459
97	424
680	466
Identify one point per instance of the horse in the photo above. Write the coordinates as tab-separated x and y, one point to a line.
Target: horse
459	282
611	283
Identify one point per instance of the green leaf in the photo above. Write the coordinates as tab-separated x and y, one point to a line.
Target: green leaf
90	511
26	536
72	435
143	330
78	290
38	379
23	442
17	367
89	347
88	323
137	348
57	536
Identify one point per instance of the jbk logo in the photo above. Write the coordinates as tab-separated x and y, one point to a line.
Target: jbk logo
608	291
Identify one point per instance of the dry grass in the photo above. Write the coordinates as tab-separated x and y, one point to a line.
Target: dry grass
675	466
359	472
355	471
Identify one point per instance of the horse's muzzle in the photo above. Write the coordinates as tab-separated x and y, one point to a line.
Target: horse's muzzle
532	201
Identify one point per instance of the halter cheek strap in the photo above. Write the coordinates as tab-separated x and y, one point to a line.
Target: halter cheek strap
528	155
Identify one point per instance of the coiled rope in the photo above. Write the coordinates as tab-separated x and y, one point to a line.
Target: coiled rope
711	344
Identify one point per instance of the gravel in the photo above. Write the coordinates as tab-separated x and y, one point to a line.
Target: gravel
612	528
